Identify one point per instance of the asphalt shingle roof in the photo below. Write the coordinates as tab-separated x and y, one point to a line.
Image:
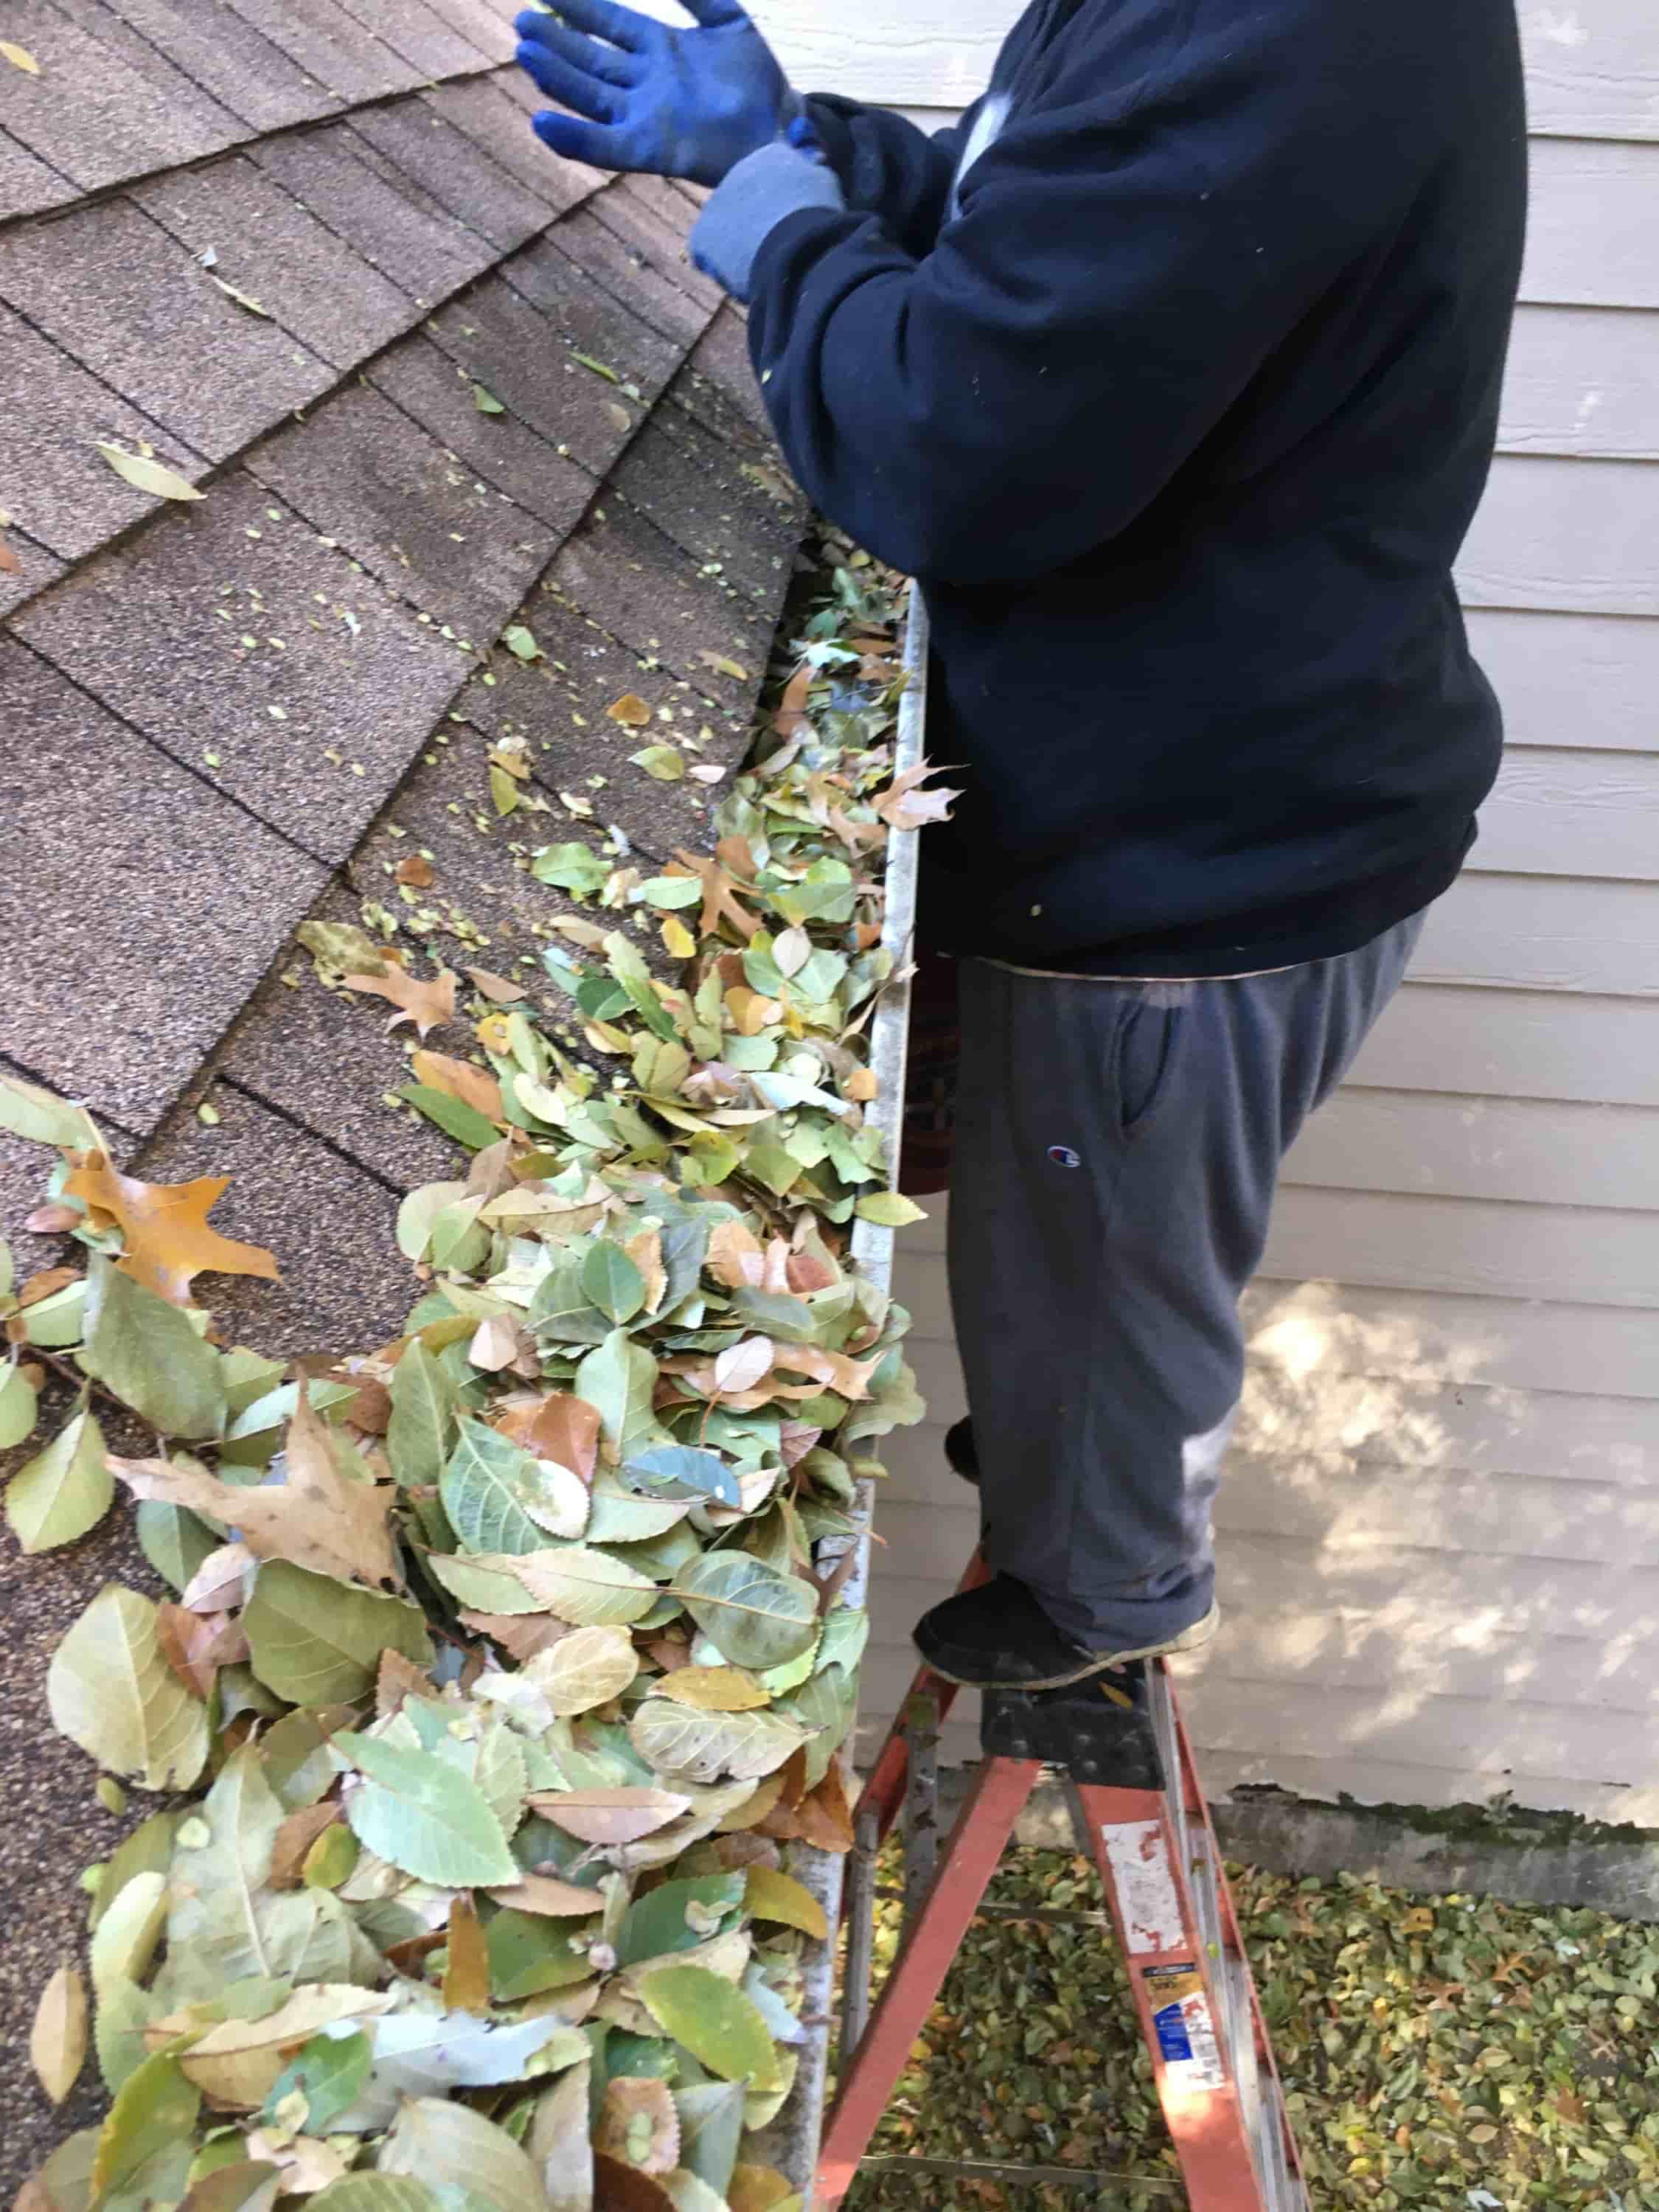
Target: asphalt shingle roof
224	716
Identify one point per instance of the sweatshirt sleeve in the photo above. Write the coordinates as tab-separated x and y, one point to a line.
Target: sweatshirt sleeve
887	167
995	408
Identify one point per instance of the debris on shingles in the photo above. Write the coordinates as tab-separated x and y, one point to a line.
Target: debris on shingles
174	632
1448	2050
461	552
655	598
221	694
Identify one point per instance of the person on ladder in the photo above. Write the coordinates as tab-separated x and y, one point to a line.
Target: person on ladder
1172	374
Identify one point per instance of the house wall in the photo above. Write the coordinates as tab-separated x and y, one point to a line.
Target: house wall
1439	1534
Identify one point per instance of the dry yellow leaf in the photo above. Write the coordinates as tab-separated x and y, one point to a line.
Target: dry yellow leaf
323	1518
630	710
713	1689
144	473
466	1971
769	1894
644	1250
861	1085
678	940
500	989
553	1900
473	1086
168	1240
425	1001
20	57
58	2041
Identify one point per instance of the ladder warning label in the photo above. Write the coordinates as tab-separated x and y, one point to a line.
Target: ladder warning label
1186	2032
1140	1861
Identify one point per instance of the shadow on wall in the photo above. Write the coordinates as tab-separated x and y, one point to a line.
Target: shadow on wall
1438	1582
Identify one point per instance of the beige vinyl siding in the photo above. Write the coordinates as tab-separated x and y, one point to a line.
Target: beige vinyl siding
1439	1532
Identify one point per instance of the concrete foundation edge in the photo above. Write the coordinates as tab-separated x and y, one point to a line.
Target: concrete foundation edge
1525	1858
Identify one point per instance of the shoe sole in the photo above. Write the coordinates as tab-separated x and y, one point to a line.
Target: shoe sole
1190	1639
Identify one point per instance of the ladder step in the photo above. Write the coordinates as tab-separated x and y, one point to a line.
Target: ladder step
1139	1815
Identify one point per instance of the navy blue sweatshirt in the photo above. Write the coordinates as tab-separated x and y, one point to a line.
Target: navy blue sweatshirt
1180	416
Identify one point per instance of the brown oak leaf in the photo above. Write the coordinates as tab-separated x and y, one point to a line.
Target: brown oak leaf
168	1239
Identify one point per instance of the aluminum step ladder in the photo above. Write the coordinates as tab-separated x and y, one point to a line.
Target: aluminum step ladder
1120	1749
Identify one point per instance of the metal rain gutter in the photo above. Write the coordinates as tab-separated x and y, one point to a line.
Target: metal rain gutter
792	2140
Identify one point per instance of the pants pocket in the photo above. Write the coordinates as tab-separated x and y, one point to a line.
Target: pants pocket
1148	1049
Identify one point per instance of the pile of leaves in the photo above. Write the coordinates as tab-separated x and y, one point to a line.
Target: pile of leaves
1454	2051
513	1651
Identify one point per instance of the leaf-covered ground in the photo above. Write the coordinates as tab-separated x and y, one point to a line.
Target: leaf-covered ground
1447	2051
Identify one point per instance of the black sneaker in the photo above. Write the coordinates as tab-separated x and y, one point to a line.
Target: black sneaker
959	1450
998	1638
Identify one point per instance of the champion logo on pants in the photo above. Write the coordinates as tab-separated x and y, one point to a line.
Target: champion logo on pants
1063	1157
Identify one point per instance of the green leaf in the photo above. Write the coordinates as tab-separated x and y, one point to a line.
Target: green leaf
499	1498
422	1416
618	1380
112	1691
424	1816
486	402
656	1924
686	1744
522	643
486	1588
329	2072
56	1321
19	1402
672	891
125	2011
44	1119
560	1309
442	2141
148	1849
683	1471
274	1409
145	1351
63	1490
573	867
612	1282
770	1165
627	963
417	1213
377	2192
452	1116
317	1641
755	1616
716	2023
156	2109
588	1588
144	473
420	2054
890	1209
529	1953
711	2125
663	763
125	1942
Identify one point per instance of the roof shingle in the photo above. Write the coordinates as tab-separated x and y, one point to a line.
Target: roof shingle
145	900
127	300
304	276
307	734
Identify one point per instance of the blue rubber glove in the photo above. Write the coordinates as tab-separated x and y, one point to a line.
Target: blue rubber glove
765	186
668	102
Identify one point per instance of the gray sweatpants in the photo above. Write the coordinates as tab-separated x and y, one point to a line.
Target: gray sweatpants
1117	1146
